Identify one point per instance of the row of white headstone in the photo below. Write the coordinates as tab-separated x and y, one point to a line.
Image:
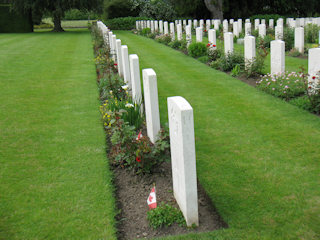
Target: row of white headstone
163	28
181	124
277	50
159	25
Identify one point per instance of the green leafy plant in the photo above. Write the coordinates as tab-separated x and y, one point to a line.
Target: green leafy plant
204	59
311	33
197	49
228	62
288	37
145	31
164	216
149	156
235	71
164	38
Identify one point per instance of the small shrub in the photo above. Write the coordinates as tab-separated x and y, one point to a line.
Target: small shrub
176	44
285	85
227	63
288	37
164	216
145	31
235	71
214	53
164	38
204	59
311	33
196	50
294	53
255	67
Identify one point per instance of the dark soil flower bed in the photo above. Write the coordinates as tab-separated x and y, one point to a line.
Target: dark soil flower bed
132	192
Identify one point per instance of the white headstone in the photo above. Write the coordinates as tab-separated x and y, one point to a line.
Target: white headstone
256	24
225	26
249	50
240	25
279	32
172	32
208	24
161	26
188	34
151	103
148	24
119	57
199	34
299	39
277	56
231	21
183	158
135	78
184	23
228	43
271	23
152	26
216	25
137	25
262	30
280	22
189	22
201	23
195	23
313	64
263	21
166	29
212	37
235	29
247	20
114	44
179	32
247	27
125	64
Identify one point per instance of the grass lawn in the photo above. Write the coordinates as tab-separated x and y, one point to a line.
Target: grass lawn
70	23
257	156
55	182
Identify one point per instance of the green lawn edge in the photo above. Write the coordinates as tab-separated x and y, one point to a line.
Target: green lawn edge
257	156
55	178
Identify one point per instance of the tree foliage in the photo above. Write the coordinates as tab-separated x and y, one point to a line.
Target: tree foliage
55	8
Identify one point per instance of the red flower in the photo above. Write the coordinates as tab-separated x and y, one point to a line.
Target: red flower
138	159
205	30
213	45
208	45
309	87
115	64
313	77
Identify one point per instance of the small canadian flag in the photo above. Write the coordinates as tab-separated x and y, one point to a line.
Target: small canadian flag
152	200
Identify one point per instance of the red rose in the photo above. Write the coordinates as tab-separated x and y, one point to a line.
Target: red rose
138	159
313	77
115	64
213	45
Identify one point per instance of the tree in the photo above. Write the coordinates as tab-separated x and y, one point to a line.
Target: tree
55	8
215	7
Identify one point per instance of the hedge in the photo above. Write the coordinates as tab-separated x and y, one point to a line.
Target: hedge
123	23
11	22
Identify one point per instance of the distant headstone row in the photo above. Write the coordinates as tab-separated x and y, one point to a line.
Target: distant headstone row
277	48
180	113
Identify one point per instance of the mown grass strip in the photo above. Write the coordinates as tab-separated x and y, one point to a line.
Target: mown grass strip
257	156
55	182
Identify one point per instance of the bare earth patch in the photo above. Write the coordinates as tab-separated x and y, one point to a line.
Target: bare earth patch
132	192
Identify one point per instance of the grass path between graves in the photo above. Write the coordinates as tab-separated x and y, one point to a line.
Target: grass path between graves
54	176
257	156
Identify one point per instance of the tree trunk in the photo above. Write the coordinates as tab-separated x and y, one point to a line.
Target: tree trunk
57	22
215	7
